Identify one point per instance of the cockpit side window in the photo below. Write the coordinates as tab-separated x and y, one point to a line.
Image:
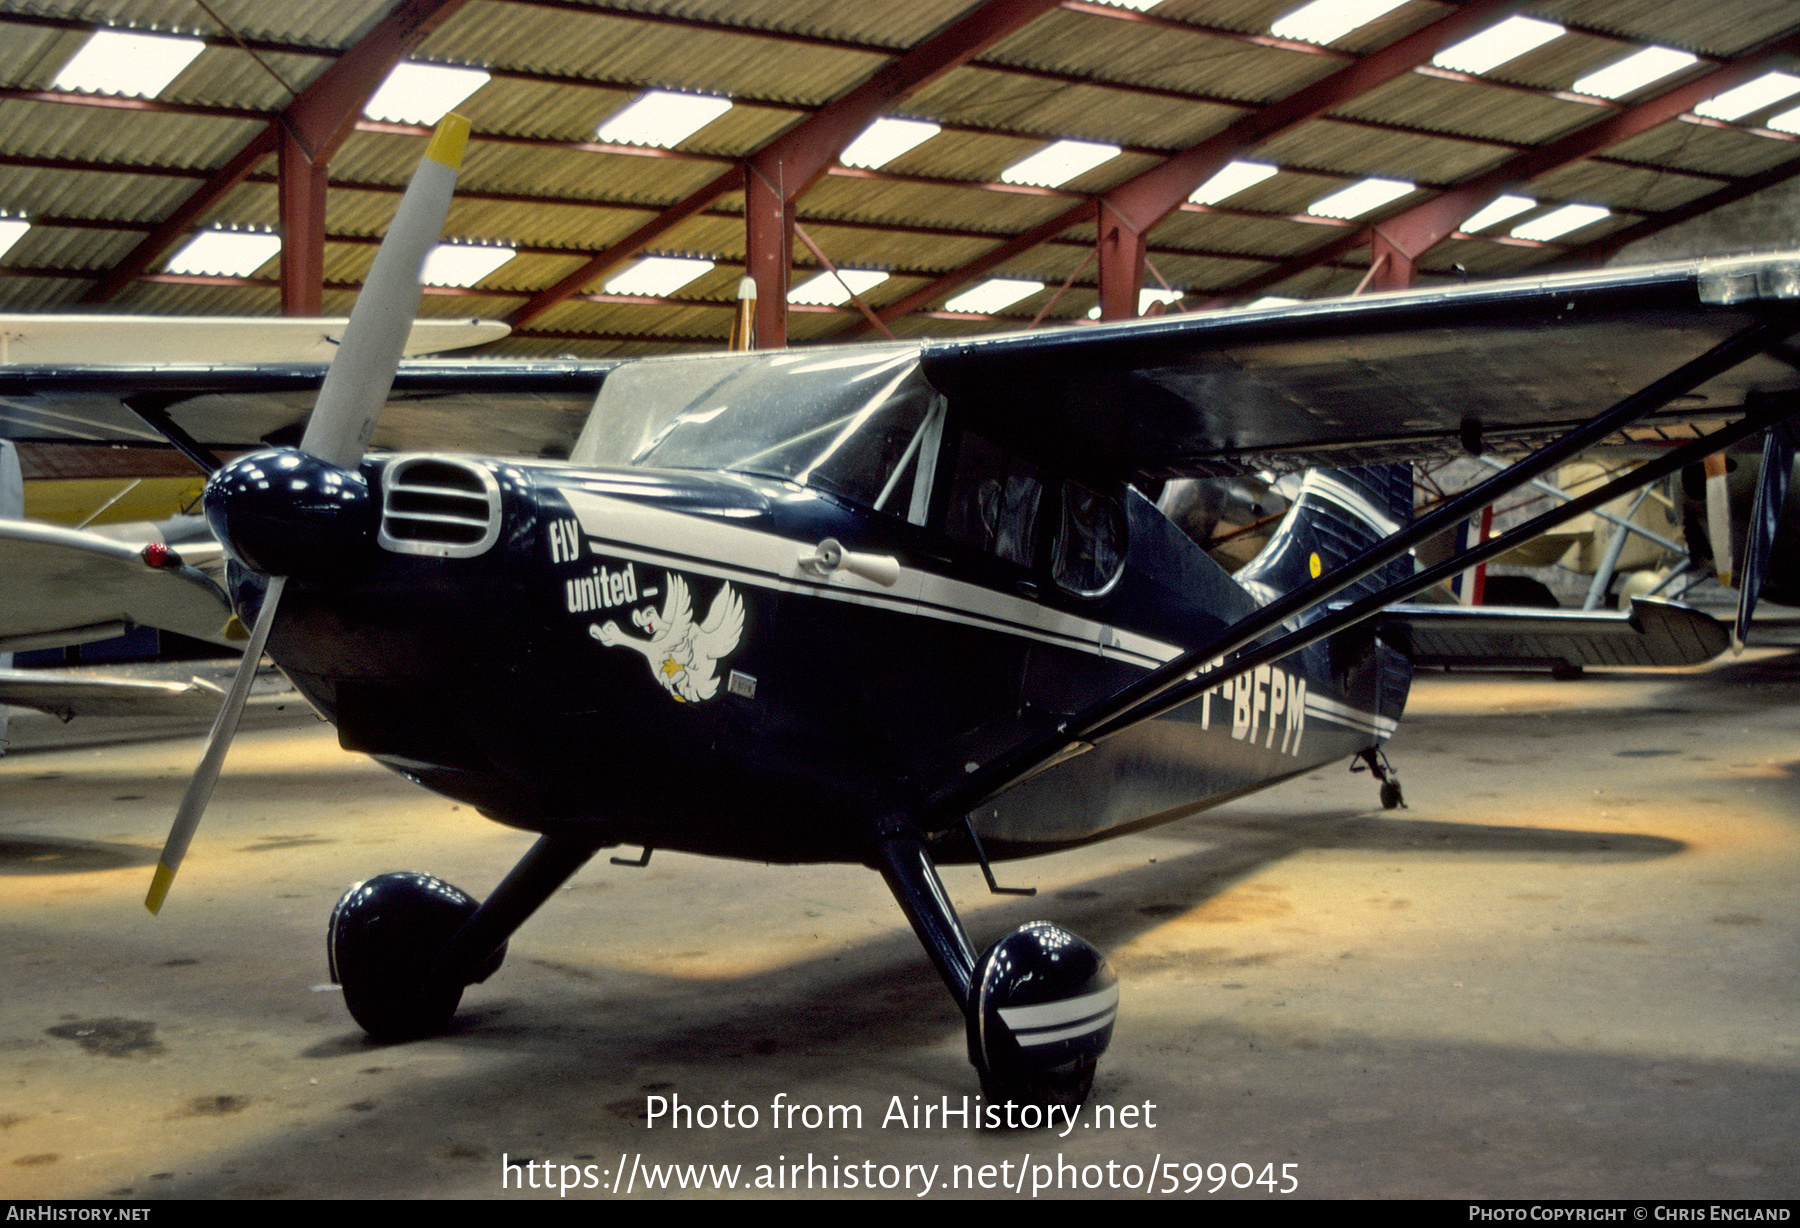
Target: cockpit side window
919	461
994	501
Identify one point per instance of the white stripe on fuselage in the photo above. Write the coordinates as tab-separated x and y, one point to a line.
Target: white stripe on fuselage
1343	714
708	546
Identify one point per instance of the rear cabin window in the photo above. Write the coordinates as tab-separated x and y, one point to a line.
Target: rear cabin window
1090	541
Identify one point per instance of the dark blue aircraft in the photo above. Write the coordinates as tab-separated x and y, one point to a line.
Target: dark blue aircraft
908	603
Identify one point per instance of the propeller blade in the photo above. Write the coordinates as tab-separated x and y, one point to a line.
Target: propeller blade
199	790
343	418
362	372
1765	518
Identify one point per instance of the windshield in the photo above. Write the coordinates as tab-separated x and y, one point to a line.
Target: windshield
846	422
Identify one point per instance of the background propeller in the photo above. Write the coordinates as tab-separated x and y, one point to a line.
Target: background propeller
343	419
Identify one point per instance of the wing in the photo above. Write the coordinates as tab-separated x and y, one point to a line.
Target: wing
499	408
152	340
64	586
1653	633
1565	363
1361	380
70	695
190	689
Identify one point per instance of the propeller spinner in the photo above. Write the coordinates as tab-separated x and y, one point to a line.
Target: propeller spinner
343	418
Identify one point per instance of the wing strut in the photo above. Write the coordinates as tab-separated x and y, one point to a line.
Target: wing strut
1765	519
153	409
1149	695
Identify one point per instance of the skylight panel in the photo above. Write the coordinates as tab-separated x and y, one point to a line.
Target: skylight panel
1326	21
123	62
826	290
662	118
1496	45
886	139
1136	6
1231	179
1560	222
225	253
1359	198
658	276
12	229
1634	72
1057	163
1787	121
1765	91
463	264
995	295
1498	211
423	93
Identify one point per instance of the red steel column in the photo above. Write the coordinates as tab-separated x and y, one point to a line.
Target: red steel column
1390	267
1121	260
301	185
768	255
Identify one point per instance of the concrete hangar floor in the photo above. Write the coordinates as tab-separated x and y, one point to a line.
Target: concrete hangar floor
1569	970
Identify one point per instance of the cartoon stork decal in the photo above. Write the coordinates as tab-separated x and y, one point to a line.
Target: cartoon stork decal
682	656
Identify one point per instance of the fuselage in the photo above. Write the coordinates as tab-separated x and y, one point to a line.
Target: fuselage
649	654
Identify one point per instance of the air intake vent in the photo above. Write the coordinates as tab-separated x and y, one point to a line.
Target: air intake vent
444	508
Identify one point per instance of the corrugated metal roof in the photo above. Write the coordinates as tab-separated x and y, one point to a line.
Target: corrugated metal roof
1154	84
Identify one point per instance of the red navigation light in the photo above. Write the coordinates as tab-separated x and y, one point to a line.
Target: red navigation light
156	554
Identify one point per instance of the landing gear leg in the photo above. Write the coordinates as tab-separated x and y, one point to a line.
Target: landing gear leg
1039	1004
404	946
1383	771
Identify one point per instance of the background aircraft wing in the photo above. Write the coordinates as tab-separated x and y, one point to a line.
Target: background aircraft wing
64	586
1361	380
120	340
68	695
511	408
1496	637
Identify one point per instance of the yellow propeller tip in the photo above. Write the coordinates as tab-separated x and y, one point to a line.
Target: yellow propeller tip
160	883
449	141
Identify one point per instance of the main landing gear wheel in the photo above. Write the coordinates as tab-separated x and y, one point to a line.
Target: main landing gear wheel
385	935
1040	1014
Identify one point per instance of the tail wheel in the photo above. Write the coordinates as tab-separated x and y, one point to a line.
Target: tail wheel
1040	1015
384	937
